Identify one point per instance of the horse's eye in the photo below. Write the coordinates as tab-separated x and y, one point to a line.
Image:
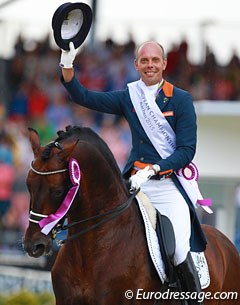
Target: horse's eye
58	193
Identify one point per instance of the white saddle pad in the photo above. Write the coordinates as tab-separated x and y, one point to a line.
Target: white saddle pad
149	217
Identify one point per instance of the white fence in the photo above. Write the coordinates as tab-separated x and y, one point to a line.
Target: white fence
13	279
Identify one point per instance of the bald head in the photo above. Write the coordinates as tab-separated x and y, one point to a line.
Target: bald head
149	43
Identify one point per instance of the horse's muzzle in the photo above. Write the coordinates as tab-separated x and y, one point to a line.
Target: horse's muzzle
37	247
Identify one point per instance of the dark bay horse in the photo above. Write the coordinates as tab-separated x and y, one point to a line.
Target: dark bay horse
105	253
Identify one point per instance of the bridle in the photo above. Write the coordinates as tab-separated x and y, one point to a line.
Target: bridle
47	173
109	215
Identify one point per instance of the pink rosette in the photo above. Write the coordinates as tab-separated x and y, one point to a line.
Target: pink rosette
191	173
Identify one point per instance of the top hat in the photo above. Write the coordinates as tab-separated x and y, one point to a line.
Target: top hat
71	22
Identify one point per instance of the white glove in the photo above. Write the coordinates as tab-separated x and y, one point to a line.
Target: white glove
68	57
140	177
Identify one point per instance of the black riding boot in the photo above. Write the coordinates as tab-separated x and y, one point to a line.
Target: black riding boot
189	280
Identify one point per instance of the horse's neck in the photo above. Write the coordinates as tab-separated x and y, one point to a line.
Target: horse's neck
101	190
95	202
112	234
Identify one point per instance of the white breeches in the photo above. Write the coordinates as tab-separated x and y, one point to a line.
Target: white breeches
165	196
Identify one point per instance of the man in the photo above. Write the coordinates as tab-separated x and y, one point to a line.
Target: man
163	125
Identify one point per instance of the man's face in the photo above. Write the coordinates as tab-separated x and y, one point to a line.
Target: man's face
150	63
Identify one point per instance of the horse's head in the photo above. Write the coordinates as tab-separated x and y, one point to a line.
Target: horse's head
54	180
48	183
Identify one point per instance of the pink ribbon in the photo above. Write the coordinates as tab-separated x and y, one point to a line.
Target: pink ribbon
193	177
49	222
205	202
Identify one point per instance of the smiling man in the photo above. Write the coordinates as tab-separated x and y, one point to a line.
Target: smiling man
163	125
150	62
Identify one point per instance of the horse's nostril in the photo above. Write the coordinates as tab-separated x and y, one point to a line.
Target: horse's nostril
38	250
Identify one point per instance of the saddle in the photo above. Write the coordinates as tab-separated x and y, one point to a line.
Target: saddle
159	230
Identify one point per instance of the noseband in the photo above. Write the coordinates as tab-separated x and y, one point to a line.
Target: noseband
50	223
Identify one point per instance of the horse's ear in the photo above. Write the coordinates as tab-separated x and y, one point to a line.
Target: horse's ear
35	141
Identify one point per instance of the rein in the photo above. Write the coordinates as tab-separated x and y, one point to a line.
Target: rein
114	213
56	226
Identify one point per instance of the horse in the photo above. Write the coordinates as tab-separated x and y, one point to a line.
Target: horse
104	259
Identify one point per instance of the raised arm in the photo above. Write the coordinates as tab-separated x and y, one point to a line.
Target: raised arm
66	62
67	74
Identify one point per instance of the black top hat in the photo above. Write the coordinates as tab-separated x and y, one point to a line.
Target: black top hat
71	22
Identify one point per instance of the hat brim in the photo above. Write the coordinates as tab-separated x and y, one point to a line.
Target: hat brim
60	16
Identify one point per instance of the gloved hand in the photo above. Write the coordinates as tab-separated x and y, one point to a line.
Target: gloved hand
140	177
67	57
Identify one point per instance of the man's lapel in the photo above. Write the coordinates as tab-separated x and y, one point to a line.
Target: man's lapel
165	95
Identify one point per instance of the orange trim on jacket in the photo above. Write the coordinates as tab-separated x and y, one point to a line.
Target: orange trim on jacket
167	89
140	165
168	113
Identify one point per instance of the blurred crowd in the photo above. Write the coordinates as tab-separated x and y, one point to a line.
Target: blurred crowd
33	96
